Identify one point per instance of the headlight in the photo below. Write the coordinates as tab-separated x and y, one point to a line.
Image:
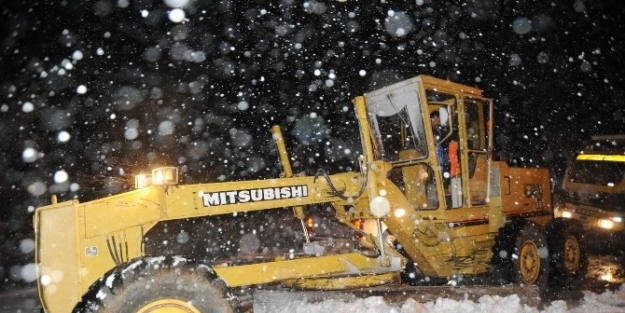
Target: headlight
607	224
567	214
399	213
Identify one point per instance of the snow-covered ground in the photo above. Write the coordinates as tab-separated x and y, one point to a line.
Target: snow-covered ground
25	301
607	302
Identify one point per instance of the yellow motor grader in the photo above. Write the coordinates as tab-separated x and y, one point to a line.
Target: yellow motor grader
427	204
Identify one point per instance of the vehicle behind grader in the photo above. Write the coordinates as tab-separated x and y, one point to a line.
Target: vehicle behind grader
428	204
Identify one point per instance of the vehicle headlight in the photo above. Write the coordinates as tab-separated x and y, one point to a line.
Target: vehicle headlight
607	224
567	214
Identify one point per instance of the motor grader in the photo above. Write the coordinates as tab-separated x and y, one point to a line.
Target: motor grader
426	205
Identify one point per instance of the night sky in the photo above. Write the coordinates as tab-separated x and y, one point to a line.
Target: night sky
92	92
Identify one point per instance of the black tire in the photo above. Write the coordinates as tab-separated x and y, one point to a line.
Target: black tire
506	265
501	263
530	261
569	255
157	283
501	272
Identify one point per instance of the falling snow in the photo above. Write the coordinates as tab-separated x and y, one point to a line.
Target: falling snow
91	93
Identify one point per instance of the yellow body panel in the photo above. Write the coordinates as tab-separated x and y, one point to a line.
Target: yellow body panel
525	189
137	207
58	256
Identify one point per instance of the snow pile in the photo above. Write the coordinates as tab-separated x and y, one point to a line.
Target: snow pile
377	304
610	301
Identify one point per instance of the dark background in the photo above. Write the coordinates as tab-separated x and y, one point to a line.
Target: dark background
203	94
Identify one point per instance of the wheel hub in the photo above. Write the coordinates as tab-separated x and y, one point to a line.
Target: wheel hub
571	254
168	306
529	262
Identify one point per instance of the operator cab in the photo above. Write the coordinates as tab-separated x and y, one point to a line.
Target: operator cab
436	166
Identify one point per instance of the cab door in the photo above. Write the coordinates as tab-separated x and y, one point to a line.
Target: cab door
475	127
